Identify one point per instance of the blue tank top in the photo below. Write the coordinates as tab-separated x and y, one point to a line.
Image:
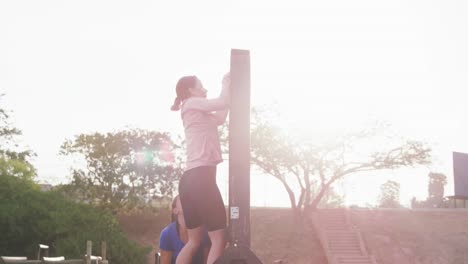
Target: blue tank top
169	241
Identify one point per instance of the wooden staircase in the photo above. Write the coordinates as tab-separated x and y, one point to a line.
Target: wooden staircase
341	241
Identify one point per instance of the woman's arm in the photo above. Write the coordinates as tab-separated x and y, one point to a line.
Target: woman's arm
166	256
221	103
221	115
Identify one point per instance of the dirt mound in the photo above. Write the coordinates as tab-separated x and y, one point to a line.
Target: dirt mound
392	236
274	236
144	229
415	236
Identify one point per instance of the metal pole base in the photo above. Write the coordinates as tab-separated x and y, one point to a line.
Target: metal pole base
238	255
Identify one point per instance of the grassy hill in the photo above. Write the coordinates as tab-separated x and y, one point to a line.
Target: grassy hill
274	236
392	236
415	236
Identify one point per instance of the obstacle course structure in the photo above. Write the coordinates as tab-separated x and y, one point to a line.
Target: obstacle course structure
239	251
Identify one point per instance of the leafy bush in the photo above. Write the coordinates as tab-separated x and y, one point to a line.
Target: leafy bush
29	217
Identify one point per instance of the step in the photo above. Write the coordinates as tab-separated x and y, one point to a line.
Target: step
342	241
348	251
344	245
353	249
354	260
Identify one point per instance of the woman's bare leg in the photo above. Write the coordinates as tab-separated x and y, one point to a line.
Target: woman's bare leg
218	244
189	250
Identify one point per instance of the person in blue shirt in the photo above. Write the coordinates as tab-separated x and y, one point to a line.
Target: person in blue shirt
174	236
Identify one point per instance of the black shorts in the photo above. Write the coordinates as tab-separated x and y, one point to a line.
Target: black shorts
201	200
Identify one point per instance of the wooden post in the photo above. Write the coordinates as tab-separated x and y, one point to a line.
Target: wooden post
89	249
104	252
239	148
239	251
44	249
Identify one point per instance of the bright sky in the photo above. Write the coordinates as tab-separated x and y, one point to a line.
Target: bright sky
71	67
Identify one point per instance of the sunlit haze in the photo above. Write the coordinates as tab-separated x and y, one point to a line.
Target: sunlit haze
72	67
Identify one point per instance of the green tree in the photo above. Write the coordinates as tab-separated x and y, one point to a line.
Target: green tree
331	199
437	182
390	195
14	159
307	170
29	216
123	170
435	189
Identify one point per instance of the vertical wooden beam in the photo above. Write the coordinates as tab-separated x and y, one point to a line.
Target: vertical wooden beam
104	252
239	251
89	248
43	251
239	148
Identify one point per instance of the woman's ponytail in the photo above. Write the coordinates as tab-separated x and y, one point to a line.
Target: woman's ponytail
176	105
182	90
